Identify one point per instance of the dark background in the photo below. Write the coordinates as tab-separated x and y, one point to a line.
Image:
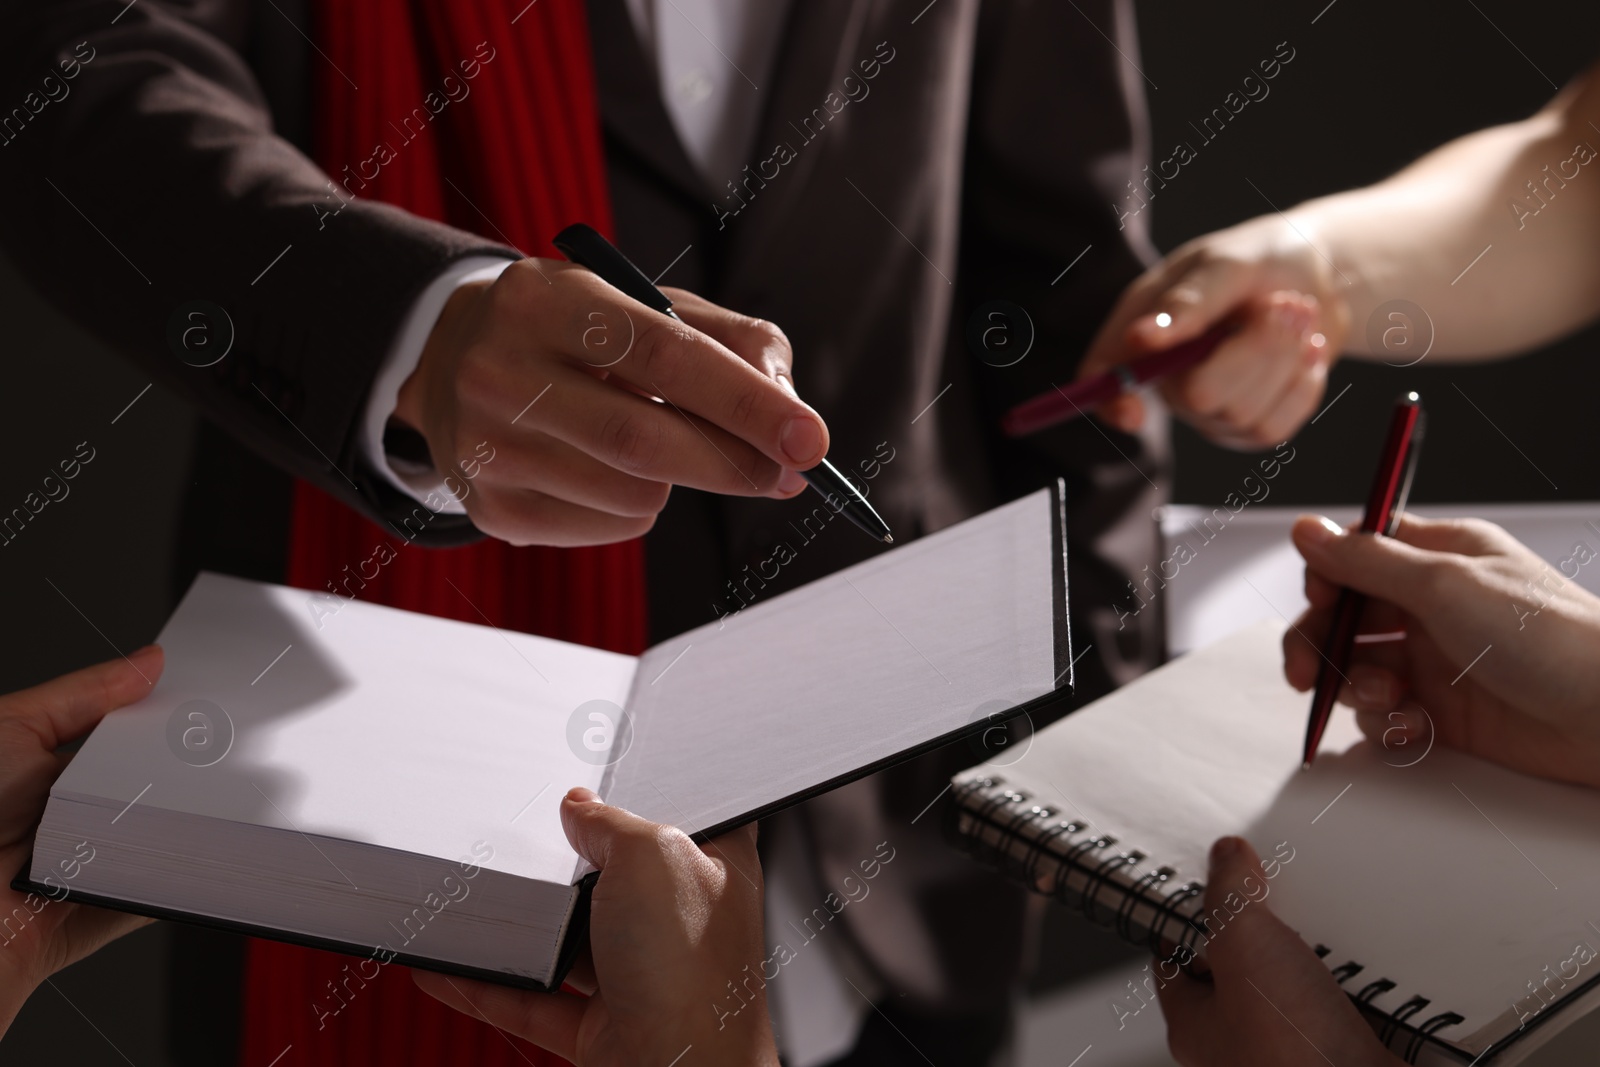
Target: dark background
1373	84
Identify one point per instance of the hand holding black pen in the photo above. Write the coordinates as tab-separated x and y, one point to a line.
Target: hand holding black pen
585	246
560	412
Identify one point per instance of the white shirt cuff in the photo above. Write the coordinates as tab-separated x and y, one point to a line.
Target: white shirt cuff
418	481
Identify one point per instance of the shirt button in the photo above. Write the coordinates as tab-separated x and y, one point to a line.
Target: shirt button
694	86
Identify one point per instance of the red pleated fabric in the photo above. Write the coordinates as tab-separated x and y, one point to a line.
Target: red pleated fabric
497	98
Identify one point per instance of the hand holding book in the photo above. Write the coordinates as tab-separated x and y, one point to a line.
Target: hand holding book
45	931
672	924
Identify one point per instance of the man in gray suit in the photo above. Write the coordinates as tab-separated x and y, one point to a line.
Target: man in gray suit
919	193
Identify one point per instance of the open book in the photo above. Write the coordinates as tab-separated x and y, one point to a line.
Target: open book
387	784
1455	901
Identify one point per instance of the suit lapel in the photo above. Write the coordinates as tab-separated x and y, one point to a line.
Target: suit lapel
820	46
630	99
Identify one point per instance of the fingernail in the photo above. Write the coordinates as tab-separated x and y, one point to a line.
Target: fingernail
791	482
1152	328
1301	315
1224	850
1324	532
1314	350
802	439
1372	690
581	795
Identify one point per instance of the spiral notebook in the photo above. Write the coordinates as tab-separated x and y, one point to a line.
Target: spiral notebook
1457	902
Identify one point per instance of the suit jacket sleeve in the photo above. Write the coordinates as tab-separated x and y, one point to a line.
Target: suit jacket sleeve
141	172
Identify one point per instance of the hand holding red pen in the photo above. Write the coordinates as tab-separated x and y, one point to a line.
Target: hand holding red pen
1499	656
1264	382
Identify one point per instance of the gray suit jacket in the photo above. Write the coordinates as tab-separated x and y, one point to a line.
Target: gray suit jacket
981	159
914	161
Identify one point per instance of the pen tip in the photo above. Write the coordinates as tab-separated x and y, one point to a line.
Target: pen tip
888	539
1306	766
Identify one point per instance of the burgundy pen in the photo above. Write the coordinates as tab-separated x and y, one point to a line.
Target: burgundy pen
1386	502
1079	398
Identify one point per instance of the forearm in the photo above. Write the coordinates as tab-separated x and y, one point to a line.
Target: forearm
153	177
1495	236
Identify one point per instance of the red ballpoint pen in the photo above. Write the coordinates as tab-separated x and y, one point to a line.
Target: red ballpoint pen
1079	398
1385	504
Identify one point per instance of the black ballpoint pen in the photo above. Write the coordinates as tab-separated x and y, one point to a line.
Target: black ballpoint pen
585	246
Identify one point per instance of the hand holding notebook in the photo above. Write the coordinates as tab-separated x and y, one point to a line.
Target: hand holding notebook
1230	1019
1447	893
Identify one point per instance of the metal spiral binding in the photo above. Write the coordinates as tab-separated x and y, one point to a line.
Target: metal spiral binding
1347	971
1149	888
1168	912
1008	828
1100	878
1013	826
989	807
1073	860
1399	1017
1041	843
1373	989
1420	1038
1025	866
1142	888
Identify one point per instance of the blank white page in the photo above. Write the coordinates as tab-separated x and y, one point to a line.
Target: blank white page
1243	568
855	668
1403	871
384	727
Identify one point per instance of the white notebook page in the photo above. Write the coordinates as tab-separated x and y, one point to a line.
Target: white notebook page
381	726
846	671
